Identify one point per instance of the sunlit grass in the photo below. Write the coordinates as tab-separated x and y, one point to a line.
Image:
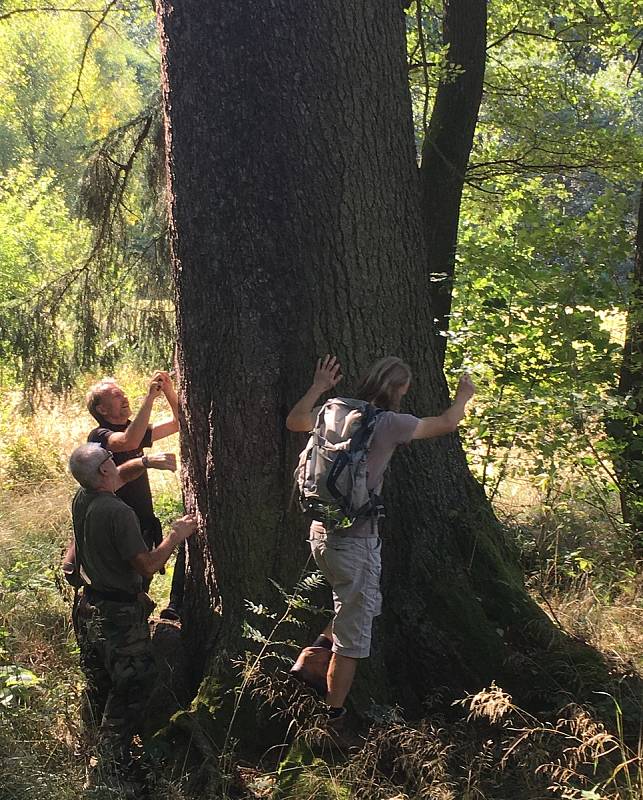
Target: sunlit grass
576	566
40	721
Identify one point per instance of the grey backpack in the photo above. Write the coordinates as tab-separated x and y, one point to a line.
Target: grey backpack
332	473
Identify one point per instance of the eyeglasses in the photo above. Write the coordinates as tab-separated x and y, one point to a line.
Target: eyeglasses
108	455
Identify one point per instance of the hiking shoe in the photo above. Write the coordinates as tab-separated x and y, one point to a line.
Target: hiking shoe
171	612
311	668
337	726
335	718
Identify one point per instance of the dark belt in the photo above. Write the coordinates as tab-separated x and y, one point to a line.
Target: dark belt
116	597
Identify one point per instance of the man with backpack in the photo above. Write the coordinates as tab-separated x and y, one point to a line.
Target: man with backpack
340	476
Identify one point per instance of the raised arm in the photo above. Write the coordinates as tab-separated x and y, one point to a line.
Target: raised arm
135	467
168	426
147	563
129	471
327	376
130	439
429	427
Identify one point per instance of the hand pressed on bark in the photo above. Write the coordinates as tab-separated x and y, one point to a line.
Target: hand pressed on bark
169	426
327	376
149	562
155	388
165	461
466	388
430	427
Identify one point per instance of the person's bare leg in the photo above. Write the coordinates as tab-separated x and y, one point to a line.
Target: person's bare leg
312	663
341	673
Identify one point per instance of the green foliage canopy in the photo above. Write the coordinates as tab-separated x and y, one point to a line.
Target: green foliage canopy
82	241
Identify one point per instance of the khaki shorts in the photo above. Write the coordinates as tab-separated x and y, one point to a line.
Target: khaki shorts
352	566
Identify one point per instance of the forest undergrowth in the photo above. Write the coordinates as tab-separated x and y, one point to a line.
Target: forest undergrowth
578	565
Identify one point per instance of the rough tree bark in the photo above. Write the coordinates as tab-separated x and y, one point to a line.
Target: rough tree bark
629	430
295	227
447	146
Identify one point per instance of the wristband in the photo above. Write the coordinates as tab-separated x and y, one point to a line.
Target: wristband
145	462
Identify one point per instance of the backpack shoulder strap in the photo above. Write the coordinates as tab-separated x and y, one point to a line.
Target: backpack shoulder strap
363	436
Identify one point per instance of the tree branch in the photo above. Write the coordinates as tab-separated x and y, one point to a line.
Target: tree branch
117	190
506	35
49	10
525	165
420	65
637	60
516	30
76	91
602	7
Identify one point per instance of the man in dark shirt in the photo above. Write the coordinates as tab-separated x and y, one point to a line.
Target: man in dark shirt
113	633
126	438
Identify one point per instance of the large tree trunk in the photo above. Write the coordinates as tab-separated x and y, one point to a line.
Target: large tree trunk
447	146
295	226
628	430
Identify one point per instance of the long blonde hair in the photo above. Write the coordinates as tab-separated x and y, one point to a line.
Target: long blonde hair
382	383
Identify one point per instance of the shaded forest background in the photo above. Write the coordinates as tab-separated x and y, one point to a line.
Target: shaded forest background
544	282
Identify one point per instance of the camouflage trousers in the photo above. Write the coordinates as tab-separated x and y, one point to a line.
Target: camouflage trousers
116	658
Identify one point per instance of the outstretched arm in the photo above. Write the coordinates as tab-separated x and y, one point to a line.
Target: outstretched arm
429	427
149	562
327	376
129	471
130	439
135	467
168	426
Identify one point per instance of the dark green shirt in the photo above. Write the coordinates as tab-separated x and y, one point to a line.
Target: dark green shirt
108	536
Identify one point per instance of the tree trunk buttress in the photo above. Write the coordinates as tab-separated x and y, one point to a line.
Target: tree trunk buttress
295	228
446	149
